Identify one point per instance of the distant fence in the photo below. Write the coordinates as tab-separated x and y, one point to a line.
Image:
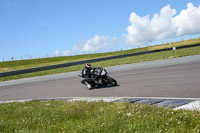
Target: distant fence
37	69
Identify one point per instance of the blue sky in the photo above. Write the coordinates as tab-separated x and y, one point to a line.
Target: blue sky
41	28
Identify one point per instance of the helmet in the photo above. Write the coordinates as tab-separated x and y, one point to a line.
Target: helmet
88	65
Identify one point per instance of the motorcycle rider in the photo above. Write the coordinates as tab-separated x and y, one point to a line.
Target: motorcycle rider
89	75
86	73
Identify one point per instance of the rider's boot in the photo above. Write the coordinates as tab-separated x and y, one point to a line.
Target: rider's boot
88	85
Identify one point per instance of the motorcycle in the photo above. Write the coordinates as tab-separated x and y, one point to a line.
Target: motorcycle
103	79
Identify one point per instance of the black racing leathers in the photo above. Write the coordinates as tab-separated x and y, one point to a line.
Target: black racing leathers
91	75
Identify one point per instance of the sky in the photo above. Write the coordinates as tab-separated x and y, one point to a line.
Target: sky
47	28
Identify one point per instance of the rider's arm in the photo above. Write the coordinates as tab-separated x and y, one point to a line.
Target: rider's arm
97	75
83	73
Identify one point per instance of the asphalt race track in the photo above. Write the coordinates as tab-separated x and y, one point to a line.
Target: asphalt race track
174	78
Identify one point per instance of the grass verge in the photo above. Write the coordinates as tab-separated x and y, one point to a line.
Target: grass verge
79	117
24	64
114	62
175	44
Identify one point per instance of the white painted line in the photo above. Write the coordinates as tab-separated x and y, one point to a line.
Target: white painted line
190	106
85	99
110	99
12	101
95	99
89	99
164	98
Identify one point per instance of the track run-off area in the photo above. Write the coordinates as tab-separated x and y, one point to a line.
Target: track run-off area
177	78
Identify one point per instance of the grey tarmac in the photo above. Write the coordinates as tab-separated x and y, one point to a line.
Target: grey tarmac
174	78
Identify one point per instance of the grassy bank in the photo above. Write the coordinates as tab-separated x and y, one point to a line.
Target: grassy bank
63	116
127	60
175	44
24	64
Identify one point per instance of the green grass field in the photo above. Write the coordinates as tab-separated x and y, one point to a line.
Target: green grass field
94	117
23	64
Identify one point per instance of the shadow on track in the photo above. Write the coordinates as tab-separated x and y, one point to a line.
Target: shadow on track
103	87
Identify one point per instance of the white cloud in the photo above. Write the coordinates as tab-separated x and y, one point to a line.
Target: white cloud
188	21
98	43
163	25
77	48
95	44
